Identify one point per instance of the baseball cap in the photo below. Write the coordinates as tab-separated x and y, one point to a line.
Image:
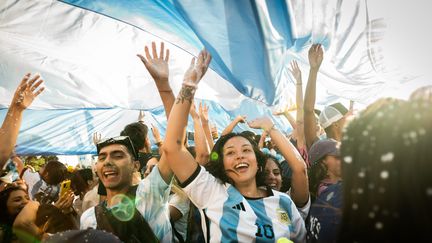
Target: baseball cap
321	148
123	140
331	114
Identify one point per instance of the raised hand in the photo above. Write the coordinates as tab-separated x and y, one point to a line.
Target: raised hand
65	201
193	112
264	123
197	70
156	134
97	137
241	118
315	56
203	112
296	72
156	65
27	91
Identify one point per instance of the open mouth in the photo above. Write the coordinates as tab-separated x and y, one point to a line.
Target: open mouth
110	174
241	167
272	185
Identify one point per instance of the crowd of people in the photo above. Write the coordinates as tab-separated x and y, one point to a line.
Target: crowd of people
338	177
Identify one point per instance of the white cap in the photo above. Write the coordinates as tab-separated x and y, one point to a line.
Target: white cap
329	115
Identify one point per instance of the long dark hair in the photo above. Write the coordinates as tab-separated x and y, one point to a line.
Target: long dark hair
6	220
316	173
387	172
216	165
269	157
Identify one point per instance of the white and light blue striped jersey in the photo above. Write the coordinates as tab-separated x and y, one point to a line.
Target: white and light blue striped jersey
230	217
151	201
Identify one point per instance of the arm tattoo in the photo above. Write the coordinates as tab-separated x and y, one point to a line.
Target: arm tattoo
186	94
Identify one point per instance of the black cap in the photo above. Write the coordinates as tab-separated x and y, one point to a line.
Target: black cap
123	140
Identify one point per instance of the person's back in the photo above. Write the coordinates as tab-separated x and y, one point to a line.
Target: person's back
387	173
43	186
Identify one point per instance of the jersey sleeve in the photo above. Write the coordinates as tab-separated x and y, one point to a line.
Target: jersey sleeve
151	200
181	204
203	188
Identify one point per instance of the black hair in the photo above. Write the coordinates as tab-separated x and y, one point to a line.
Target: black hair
386	173
56	172
275	160
251	135
316	173
122	140
79	181
137	133
216	165
6	220
52	220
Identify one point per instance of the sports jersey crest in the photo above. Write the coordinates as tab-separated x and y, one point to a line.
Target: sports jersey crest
283	216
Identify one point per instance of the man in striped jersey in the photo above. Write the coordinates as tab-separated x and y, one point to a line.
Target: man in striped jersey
133	213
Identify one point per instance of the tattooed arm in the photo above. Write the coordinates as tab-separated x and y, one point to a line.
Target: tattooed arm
179	159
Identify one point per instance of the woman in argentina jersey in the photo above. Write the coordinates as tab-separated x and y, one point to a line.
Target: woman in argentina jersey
228	192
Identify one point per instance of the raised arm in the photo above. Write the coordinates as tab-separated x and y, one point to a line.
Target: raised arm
262	140
158	68
203	113
180	160
202	149
24	95
157	137
315	59
233	124
296	72
286	113
299	179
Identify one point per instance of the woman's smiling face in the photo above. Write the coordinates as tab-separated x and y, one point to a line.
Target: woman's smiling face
239	160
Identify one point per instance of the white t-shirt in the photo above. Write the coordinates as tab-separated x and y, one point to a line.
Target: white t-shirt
37	185
231	217
151	201
91	199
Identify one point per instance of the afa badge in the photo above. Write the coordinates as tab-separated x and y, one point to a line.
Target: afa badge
283	217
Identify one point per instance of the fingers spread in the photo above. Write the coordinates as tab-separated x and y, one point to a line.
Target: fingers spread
25	78
33	87
147	53
167	55
142	58
192	62
161	55
154	50
39	91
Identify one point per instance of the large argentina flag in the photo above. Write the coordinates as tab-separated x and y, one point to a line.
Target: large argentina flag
86	50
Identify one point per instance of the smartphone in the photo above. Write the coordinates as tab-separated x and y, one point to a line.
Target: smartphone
65	186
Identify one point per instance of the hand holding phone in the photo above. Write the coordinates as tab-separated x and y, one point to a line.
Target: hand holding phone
64	187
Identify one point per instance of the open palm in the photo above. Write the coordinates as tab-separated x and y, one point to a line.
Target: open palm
197	70
156	65
27	91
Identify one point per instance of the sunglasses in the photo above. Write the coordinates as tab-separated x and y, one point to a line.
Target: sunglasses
123	140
